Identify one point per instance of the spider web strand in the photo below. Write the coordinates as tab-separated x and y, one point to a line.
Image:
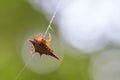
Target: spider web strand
54	14
21	71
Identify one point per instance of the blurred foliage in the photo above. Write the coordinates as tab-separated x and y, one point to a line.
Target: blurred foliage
17	19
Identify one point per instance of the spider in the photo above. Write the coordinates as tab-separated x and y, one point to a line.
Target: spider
42	45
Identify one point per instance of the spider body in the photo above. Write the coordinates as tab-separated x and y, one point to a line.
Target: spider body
41	45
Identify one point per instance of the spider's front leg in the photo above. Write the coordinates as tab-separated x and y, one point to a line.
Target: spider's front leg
48	40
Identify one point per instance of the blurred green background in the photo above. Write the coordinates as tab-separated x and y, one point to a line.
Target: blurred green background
18	19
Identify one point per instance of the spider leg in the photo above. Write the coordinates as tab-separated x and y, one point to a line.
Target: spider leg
32	50
31	54
50	38
38	37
